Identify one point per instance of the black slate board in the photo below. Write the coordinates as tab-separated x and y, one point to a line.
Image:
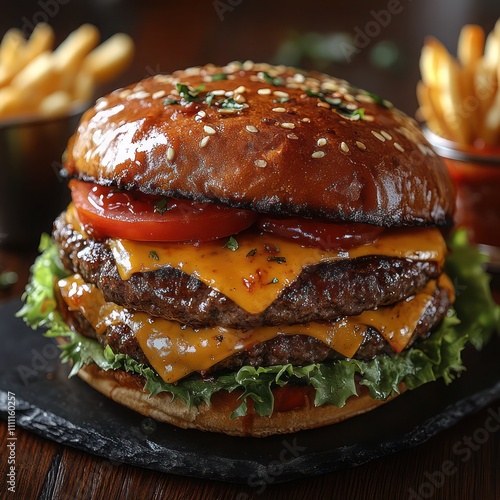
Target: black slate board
68	411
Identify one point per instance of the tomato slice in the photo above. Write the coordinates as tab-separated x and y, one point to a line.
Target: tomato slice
325	235
109	212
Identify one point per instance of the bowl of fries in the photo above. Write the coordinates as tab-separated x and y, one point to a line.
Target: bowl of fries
43	92
459	101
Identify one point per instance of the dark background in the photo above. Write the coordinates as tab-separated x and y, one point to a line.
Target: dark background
315	34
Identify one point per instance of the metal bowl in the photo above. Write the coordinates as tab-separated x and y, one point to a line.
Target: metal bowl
32	192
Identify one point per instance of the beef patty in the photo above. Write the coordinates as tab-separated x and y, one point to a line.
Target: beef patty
295	349
322	292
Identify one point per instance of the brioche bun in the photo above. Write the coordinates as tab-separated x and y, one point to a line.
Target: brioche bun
289	150
126	389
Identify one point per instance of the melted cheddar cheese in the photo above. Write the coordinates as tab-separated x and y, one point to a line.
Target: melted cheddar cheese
254	275
175	350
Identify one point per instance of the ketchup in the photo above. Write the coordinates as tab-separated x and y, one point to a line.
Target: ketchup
477	180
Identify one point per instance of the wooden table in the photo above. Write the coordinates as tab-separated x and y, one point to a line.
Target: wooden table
172	35
460	463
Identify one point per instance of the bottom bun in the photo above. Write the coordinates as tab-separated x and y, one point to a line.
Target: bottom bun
126	389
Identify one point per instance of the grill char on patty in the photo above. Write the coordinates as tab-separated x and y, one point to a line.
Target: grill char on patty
322	292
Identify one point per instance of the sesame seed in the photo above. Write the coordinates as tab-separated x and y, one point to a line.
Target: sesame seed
209	130
159	94
201	114
299	78
321	142
248	65
360	145
239	98
170	154
422	148
142	94
204	141
279	110
322	104
318	154
344	147
279	93
264	91
240	90
364	98
101	104
163	78
229	93
260	163
124	93
218	92
227	111
306	120
292	136
386	135
351	106
288	125
368	118
399	147
251	129
380	137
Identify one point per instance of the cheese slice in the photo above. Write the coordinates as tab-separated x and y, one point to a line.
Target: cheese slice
256	273
175	350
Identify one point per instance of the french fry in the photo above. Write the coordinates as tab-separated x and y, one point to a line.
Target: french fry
55	104
11	103
431	108
84	87
469	51
69	55
35	79
110	58
460	99
428	66
11	55
41	40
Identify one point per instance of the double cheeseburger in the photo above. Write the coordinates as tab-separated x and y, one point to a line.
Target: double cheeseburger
250	249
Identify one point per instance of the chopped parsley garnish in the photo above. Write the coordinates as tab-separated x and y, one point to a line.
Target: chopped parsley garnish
187	94
283	99
232	244
209	98
219	76
276	81
273	281
377	99
251	253
153	255
168	101
161	206
230	103
279	260
360	112
337	104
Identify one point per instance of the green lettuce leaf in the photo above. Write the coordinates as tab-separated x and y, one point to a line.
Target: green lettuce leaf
474	319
